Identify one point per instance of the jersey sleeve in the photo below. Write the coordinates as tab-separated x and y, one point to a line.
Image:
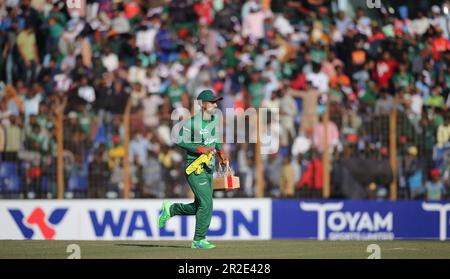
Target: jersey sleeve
186	140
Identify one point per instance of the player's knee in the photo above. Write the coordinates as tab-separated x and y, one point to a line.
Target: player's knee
205	206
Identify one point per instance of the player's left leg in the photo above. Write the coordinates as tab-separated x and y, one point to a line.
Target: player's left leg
169	210
204	193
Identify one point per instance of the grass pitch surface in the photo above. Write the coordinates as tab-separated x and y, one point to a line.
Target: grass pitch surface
270	249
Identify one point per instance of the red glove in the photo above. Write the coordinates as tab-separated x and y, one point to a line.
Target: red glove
204	149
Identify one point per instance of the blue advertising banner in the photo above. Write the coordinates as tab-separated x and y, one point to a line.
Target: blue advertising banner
233	219
237	219
360	220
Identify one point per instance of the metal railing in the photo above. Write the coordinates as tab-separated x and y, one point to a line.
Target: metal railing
87	156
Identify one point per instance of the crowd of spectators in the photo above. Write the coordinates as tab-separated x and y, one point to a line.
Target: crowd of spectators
294	56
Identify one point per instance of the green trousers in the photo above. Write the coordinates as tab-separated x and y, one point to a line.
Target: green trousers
202	207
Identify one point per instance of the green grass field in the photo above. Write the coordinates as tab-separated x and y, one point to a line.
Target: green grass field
273	249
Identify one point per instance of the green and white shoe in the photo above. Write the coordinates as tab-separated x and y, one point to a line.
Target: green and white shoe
165	214
202	244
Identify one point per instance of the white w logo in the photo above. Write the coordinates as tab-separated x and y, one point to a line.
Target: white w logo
73	4
373	4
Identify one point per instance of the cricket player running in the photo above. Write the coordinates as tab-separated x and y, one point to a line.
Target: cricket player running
199	136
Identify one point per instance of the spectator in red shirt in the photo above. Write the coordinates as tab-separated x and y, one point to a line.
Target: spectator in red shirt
204	10
384	70
440	44
313	176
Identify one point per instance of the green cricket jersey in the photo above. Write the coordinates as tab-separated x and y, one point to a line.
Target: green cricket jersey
199	132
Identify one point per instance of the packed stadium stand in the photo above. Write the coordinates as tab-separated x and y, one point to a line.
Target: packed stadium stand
87	98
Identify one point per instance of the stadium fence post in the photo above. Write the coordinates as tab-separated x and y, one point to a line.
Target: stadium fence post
59	138
258	159
126	145
326	154
393	151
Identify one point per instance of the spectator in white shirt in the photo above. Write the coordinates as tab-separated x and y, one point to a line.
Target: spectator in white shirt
152	82
283	25
253	24
120	23
343	22
85	91
145	39
420	25
363	23
416	100
137	73
110	60
318	79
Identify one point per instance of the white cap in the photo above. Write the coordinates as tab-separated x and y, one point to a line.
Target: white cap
72	114
254	7
436	9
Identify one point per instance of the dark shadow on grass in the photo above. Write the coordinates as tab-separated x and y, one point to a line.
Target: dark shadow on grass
153	246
